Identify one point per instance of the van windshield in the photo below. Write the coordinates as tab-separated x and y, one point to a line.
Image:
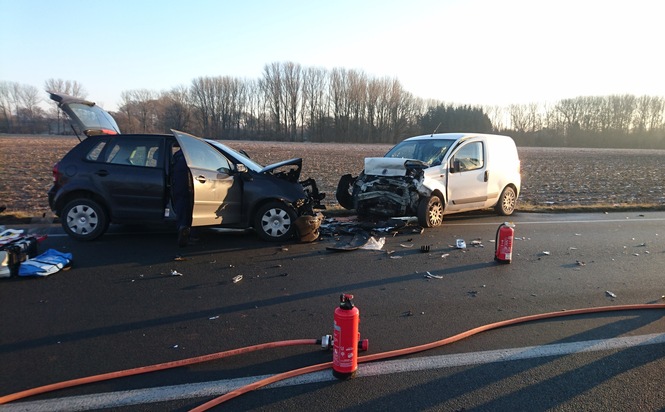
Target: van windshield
430	151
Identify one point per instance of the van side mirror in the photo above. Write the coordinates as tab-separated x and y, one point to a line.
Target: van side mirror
455	166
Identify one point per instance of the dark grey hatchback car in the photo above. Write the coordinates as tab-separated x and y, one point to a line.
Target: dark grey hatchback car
111	177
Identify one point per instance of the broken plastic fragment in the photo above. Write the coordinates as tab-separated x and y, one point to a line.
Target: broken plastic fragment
175	273
546	252
460	244
374	243
610	294
237	279
431	276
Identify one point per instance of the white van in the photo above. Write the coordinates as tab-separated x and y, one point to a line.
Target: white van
433	175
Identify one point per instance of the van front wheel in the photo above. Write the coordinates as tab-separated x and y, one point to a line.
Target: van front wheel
507	201
430	211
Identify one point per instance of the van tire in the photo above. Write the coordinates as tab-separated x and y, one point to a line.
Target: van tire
430	211
507	201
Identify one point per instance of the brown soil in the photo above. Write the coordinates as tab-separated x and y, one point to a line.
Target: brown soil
552	178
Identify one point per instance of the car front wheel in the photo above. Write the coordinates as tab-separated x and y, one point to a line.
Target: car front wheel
507	201
430	212
84	219
274	222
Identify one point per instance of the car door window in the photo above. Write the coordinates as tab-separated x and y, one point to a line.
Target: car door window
133	152
469	157
201	155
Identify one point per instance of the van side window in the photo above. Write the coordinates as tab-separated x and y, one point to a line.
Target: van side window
469	157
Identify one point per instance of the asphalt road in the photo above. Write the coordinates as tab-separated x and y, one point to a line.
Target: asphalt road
121	307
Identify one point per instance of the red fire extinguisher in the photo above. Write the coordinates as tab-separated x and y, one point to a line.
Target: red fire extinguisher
346	338
504	243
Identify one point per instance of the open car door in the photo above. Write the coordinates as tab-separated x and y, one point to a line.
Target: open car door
217	189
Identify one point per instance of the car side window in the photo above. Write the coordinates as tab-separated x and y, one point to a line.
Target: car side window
469	157
203	156
96	150
133	152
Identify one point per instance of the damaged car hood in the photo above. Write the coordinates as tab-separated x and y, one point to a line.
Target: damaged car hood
290	169
389	166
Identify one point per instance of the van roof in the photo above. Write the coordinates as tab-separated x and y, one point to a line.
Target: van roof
456	136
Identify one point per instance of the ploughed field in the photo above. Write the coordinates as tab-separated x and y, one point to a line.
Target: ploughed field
552	178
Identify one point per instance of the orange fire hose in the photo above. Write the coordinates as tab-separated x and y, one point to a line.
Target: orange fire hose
312	368
414	349
151	368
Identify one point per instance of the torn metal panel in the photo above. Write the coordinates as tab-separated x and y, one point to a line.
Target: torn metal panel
390	187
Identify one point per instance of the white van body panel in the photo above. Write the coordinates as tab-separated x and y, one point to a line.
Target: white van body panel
471	174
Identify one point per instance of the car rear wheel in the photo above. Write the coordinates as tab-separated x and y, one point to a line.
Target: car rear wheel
430	211
84	219
275	222
507	201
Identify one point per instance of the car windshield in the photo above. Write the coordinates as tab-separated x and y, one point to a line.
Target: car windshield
430	151
249	163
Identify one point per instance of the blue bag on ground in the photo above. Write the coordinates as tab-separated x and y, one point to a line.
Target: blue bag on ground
45	264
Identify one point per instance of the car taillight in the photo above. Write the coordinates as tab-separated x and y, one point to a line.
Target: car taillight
56	173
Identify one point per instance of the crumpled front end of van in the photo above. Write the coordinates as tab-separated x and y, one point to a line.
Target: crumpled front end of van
387	187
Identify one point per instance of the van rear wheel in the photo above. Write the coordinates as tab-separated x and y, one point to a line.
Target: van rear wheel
430	211
507	201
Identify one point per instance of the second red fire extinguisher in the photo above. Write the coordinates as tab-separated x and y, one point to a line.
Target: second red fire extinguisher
504	243
346	338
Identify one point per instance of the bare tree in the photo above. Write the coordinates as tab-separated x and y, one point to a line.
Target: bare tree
174	110
7	109
272	87
292	79
70	87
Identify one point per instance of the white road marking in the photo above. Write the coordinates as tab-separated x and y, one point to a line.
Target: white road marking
216	388
557	222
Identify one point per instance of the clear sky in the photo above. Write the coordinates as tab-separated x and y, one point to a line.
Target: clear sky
478	52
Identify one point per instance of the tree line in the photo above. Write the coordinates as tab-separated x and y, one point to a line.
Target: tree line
290	102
